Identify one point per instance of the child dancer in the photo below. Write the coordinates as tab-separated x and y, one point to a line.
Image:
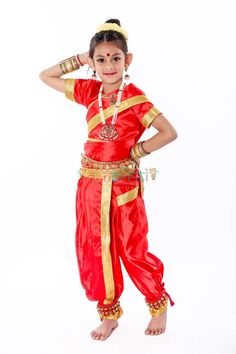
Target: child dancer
111	221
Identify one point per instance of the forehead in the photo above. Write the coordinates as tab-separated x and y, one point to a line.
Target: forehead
105	48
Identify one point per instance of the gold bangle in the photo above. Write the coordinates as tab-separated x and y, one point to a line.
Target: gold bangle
137	151
68	65
143	151
63	69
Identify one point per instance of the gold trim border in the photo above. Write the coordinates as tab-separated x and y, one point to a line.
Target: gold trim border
149	117
69	89
127	196
106	239
108	112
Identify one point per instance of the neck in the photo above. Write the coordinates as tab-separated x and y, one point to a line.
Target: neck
111	87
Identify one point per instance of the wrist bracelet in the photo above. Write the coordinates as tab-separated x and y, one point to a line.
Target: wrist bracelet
144	152
79	60
68	65
137	151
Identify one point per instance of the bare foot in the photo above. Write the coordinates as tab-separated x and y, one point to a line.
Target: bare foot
157	325
104	330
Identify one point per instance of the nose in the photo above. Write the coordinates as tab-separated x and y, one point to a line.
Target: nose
109	66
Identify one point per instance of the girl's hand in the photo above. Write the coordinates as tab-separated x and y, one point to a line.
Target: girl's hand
84	58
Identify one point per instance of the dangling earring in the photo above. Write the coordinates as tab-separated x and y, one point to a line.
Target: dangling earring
127	77
94	76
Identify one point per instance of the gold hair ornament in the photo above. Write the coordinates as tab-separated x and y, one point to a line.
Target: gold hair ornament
112	27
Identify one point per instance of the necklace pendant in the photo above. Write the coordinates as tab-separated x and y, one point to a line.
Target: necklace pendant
113	100
108	132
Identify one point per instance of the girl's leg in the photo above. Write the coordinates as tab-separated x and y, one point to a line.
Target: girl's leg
145	269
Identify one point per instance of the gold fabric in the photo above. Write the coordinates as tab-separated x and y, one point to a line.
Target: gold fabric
105	239
158	307
110	312
149	117
128	196
154	312
69	89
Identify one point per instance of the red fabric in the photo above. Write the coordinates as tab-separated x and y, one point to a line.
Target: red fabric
128	222
129	122
129	242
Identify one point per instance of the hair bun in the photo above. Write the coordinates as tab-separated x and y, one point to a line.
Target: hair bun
114	20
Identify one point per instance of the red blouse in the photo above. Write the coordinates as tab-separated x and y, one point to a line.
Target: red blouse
136	113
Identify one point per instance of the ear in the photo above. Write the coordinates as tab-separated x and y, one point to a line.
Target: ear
90	63
128	59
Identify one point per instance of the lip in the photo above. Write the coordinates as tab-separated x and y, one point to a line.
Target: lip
109	74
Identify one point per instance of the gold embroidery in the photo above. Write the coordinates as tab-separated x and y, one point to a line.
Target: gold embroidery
69	89
108	112
127	196
96	173
149	117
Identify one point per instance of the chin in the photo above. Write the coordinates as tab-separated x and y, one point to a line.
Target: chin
112	79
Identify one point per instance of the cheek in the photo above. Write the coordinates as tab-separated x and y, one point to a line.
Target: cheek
98	67
120	64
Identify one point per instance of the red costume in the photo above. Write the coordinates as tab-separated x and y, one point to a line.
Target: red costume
111	220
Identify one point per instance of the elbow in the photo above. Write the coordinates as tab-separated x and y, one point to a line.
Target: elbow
175	135
42	76
172	135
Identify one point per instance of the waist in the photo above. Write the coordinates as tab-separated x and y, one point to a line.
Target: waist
99	169
108	151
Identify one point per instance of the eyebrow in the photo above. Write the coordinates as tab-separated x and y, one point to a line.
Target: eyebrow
99	55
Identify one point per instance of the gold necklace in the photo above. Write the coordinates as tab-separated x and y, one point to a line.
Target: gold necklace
112	97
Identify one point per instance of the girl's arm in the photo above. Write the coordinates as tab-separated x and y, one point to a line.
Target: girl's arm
166	134
52	75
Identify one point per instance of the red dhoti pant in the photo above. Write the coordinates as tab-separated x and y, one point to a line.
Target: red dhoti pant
111	223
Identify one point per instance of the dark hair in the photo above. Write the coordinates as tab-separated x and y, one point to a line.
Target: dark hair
108	36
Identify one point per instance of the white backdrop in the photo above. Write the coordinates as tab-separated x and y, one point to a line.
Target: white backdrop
184	60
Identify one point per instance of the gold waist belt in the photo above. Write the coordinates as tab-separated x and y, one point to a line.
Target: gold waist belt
115	169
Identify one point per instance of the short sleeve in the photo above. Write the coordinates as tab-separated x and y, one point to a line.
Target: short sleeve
145	111
78	90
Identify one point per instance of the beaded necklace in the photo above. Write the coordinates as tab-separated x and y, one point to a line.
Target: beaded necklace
108	132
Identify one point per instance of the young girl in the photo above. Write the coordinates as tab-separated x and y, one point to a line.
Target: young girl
111	220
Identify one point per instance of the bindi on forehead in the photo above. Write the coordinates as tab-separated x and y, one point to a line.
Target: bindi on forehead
108	54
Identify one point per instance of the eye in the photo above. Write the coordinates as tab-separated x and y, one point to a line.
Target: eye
117	58
100	61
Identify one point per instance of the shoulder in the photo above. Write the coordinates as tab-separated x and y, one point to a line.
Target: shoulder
87	83
135	90
137	96
81	90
